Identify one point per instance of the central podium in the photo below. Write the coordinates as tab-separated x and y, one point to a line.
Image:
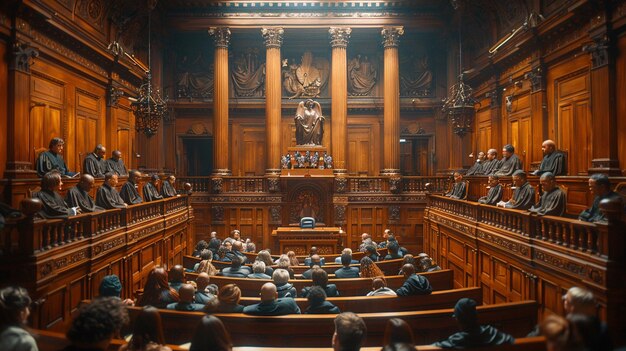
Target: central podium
328	240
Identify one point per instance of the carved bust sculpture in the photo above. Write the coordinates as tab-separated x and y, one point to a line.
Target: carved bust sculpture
309	123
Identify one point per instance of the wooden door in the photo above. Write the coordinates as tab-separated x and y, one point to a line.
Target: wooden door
360	151
575	134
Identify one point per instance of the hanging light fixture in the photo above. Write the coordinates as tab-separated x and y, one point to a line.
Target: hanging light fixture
459	105
149	107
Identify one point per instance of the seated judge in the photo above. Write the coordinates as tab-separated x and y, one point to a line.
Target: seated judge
553	160
414	284
129	192
492	163
186	303
320	278
151	189
271	305
52	159
494	195
458	188
78	196
106	196
552	201
94	163
477	167
53	204
116	165
509	163
168	189
283	287
346	271
524	194
318	303
600	186
236	270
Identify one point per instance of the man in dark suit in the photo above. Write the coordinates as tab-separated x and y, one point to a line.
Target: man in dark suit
236	270
176	277
393	251
237	250
346	271
314	261
313	252
271	305
414	284
187	294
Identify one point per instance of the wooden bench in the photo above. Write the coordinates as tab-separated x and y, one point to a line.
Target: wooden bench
516	318
439	280
356	255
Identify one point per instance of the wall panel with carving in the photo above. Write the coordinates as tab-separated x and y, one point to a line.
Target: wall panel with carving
3	107
620	90
193	68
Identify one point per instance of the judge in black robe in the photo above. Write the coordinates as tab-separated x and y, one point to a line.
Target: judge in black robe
600	186
129	192
78	196
150	190
553	160
107	197
509	163
477	167
524	194
52	160
494	195
94	163
116	165
167	189
458	190
491	163
552	201
53	204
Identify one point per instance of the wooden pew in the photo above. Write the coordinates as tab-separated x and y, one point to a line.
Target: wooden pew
440	280
371	304
516	318
356	255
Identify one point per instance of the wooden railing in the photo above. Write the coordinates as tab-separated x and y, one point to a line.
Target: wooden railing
425	184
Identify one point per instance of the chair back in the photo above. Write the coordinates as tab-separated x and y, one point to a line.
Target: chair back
307	222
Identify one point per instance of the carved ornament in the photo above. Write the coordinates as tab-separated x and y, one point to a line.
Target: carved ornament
503	243
221	35
340	214
599	51
391	36
248	74
339	36
394	213
217	213
275	216
217	185
22	57
306	79
273	36
395	184
113	95
273	184
362	75
340	184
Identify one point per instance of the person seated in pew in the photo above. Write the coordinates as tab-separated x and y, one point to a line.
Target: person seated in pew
369	269
211	334
236	270
271	305
53	204
52	160
524	194
283	263
168	189
494	195
78	196
214	246
346	271
383	243
379	288
283	287
129	192
258	271
426	264
221	254
560	334
372	253
293	260
151	189
96	324
401	249
477	167
110	286
106	196
347	250
177	277
14	311
553	160
156	291
206	264
320	278
236	250
200	245
265	257
410	259
147	332
398	332
472	334
205	291
491	164
318	303
249	246
313	263
350	332
227	300
581	302
509	162
552	201
393	251
235	235
313	252
414	284
458	188
366	240
600	187
187	295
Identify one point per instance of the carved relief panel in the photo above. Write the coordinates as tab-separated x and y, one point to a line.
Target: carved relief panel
306	77
247	73
194	70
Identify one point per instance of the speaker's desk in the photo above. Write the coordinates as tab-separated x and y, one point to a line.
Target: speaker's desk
328	240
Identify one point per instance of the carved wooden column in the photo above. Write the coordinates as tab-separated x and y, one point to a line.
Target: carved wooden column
273	97
220	101
495	106
339	38
538	112
391	128
18	149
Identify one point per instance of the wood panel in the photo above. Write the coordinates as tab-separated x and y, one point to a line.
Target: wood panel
360	158
365	219
248	149
620	90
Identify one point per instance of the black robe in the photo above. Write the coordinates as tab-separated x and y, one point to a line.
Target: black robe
167	190
94	165
551	203
489	166
493	196
49	161
509	165
151	193
458	191
77	197
129	194
476	169
481	335
107	197
554	162
53	205
594	214
523	197
117	167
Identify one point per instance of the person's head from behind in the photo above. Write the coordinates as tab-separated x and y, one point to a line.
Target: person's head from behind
265	257
258	267
147	328
579	301
393	248
408	258
319	277
280	277
157	280
408	270
229	294
558	333
379	283
268	292
211	334
371	250
237	246
315	260
97	323
14	306
313	251
465	313
398	331
235	263
317	296
177	274
110	286
346	259
201	245
350	332
202	281
425	263
206	254
186	293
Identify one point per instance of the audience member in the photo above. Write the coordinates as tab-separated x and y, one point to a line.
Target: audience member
186	303
249	246
52	159
393	251
410	259
236	250
236	270
320	278
552	201
459	188
314	262
111	286
265	257
379	288
283	263
205	291
96	324
397	331
271	305
14	311
115	164
151	189
472	334
509	163
524	194
176	276
53	204
414	284
200	245
106	196
559	334
383	243
369	269
78	196
318	303
492	163
129	192
347	250
227	300
592	334
147	332
258	271
553	160
313	252
580	301
283	287
214	245
168	189
206	263
94	163
366	240
211	335
477	167
494	195
600	186
372	253
293	260
426	264
156	291
350	332
346	271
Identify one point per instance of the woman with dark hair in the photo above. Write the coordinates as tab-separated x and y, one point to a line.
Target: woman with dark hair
147	332
14	312
221	253
369	269
293	260
201	245
211	335
320	278
157	291
206	265
398	331
214	245
227	300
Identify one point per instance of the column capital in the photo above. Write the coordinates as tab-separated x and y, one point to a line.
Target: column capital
339	36
391	36
221	35
22	57
273	36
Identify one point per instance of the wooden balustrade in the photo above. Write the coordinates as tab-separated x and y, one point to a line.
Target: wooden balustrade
576	235
515	221
426	184
198	184
368	184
